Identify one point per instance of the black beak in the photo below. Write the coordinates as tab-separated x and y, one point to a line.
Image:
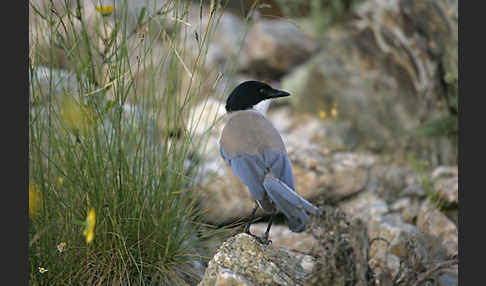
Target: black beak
274	93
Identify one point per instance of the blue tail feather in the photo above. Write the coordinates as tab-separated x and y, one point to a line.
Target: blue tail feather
289	202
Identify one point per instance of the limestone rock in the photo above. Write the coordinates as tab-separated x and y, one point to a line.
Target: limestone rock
408	207
432	221
242	260
338	256
274	47
281	236
446	184
365	206
384	256
380	76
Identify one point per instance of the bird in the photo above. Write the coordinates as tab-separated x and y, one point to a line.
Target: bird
254	150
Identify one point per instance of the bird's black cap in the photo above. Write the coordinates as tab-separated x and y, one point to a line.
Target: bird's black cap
249	93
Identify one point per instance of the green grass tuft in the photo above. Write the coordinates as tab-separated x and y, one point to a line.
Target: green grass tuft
101	137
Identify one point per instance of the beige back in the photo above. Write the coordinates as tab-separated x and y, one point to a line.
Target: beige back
250	132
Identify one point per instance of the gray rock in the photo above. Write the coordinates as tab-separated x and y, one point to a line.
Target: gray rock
274	47
212	40
338	256
397	233
394	229
441	31
447	189
408	207
400	204
226	41
366	206
394	180
414	189
384	256
433	222
380	76
444	172
242	260
297	243
446	184
281	236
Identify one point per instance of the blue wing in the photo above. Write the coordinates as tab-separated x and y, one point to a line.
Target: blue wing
250	169
281	168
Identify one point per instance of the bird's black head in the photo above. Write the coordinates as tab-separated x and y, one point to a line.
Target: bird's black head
249	93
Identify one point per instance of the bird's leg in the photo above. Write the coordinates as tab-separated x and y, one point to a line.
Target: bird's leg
265	239
246	229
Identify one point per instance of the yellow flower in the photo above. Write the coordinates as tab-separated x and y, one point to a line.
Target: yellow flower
61	246
76	116
322	114
105	10
90	225
334	112
60	180
35	201
42	270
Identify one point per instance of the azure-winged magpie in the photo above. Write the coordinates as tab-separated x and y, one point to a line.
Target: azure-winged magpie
254	150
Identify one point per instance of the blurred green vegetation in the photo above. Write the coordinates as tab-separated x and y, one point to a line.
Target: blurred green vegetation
423	169
448	124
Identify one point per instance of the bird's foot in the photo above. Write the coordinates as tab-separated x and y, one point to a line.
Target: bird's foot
264	239
261	239
246	229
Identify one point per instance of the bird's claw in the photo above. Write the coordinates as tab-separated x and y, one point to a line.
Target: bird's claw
266	241
263	240
246	229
